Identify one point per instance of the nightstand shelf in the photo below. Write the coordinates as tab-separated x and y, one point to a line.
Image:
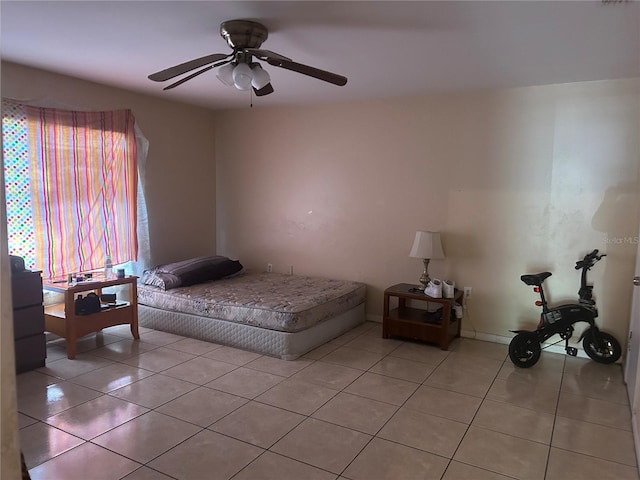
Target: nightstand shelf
438	327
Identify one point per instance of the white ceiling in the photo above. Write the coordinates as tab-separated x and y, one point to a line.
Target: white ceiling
385	48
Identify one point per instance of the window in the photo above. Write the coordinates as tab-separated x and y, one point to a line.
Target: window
71	183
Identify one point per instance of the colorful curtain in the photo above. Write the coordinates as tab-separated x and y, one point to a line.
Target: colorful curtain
71	186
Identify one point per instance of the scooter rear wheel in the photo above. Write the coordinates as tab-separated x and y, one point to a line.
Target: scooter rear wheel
601	347
524	350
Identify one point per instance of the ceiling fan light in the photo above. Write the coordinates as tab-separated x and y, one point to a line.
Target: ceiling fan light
225	74
260	77
242	76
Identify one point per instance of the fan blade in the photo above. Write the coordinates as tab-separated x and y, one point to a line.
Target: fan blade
266	90
265	54
193	75
310	71
176	70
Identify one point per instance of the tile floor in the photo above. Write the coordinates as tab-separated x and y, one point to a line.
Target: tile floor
360	407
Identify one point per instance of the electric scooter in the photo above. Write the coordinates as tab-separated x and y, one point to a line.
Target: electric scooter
525	348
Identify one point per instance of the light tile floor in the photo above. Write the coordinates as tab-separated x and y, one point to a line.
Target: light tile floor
359	407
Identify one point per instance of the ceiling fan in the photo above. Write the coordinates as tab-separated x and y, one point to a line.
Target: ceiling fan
238	68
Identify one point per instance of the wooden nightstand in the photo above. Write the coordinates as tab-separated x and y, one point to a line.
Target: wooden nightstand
416	323
62	319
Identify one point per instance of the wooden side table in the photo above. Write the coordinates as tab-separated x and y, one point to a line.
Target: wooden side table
61	319
417	323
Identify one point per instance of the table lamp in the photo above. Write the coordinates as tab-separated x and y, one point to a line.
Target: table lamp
426	245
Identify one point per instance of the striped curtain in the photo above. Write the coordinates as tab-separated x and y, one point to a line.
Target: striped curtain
71	183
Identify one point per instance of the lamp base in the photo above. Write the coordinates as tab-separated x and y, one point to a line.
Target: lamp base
424	278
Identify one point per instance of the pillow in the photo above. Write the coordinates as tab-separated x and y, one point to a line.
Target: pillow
191	271
165	281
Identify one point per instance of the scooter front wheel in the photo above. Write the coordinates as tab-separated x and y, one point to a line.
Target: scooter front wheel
524	350
601	347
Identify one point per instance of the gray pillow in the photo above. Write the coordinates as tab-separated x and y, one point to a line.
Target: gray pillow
165	281
191	271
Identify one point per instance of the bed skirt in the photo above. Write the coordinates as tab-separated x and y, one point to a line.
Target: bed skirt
287	346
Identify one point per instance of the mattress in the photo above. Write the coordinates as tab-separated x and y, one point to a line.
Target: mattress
284	345
272	301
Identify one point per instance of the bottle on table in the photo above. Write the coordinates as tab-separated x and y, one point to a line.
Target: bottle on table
108	268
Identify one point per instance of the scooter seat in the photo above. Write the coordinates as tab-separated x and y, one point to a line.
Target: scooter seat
535	278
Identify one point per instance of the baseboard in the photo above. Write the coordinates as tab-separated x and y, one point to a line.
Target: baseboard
486	337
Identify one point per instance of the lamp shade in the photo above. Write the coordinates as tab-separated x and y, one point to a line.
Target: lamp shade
242	76
260	77
427	245
225	74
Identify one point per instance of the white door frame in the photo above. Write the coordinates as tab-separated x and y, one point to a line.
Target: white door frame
632	358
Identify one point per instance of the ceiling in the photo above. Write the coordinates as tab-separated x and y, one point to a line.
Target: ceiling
385	48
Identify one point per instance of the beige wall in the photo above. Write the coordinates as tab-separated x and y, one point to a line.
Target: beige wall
180	175
517	181
180	188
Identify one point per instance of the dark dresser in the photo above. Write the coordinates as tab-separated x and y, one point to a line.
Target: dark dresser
28	320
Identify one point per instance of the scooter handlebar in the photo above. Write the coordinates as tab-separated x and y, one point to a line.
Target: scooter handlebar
589	260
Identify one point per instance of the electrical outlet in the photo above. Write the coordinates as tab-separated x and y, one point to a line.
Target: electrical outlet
467	292
269	268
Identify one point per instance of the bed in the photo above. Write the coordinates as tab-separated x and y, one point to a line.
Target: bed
279	315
